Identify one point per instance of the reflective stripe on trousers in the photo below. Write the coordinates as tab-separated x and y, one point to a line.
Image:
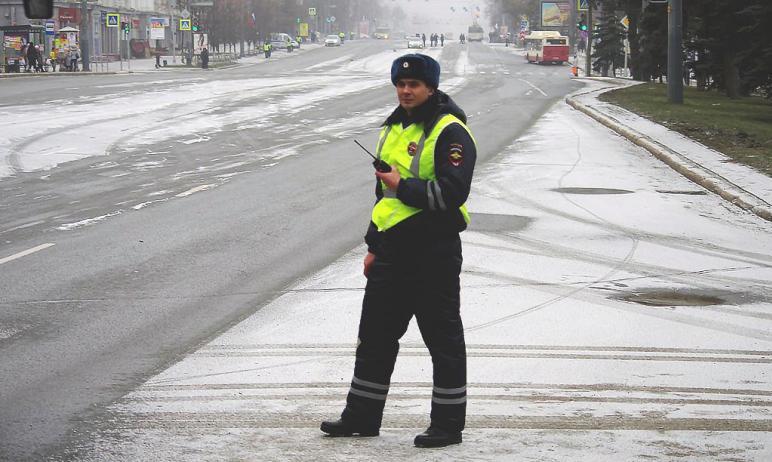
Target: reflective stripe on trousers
421	282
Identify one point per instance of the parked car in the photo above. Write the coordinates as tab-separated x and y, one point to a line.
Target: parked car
281	41
415	42
332	41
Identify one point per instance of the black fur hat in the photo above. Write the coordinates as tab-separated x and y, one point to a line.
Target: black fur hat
416	66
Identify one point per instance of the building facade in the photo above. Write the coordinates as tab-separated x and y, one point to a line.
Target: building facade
106	42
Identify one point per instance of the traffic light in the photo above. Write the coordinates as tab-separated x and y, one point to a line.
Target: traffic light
195	25
582	24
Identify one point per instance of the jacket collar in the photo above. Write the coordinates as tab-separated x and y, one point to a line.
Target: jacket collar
428	113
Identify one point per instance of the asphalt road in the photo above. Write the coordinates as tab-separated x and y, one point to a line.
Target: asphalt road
144	254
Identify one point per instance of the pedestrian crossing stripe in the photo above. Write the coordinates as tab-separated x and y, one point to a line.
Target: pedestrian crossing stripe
113	19
184	24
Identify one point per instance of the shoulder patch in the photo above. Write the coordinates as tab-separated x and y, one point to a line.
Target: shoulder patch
456	154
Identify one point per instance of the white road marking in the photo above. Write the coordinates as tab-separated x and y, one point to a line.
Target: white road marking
534	87
26	252
26	225
88	221
195	190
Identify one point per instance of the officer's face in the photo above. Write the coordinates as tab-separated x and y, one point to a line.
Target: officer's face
412	93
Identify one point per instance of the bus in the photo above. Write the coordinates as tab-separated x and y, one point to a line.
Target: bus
475	33
382	33
546	46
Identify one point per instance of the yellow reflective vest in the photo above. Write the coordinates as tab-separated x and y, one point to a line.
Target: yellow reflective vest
394	147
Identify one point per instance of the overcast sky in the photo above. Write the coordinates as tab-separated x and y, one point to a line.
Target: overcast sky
436	15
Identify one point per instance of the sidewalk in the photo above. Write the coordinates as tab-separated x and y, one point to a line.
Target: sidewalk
571	226
737	183
174	63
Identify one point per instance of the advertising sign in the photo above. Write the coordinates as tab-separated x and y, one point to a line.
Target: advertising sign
554	14
13	42
164	21
200	41
157	28
303	29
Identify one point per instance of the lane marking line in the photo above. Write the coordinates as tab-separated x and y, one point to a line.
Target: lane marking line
195	190
26	252
534	87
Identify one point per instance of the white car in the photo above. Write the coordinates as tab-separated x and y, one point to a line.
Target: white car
332	41
415	42
281	41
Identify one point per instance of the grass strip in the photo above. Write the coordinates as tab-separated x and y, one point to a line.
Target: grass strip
739	128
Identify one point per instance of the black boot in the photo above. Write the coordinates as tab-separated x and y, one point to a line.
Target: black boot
435	437
342	428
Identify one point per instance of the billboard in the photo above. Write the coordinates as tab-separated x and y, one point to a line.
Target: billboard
555	14
200	41
157	31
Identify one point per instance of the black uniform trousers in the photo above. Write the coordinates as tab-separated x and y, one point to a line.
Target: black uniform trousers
418	279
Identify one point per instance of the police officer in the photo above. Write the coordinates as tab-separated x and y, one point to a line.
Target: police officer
414	255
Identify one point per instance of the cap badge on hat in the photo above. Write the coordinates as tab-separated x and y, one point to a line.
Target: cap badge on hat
405	64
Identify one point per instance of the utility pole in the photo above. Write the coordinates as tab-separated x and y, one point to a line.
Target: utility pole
572	27
590	30
173	27
85	36
675	65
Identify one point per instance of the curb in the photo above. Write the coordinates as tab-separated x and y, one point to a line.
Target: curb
52	74
691	170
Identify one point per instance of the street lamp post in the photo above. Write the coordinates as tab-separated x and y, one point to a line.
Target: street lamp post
675	65
85	36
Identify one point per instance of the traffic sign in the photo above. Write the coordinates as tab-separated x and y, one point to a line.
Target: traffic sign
184	24
312	11
113	19
332	18
625	22
185	14
523	25
50	27
582	5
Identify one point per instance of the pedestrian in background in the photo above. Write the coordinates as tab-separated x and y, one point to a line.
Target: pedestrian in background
52	59
204	59
76	58
32	58
413	259
40	62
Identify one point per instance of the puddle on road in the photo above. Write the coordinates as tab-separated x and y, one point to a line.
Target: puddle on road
675	297
495	223
591	191
688	193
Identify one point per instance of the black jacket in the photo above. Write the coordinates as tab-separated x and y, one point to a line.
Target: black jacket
455	155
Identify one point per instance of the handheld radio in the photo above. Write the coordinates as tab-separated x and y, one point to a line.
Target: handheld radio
379	164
